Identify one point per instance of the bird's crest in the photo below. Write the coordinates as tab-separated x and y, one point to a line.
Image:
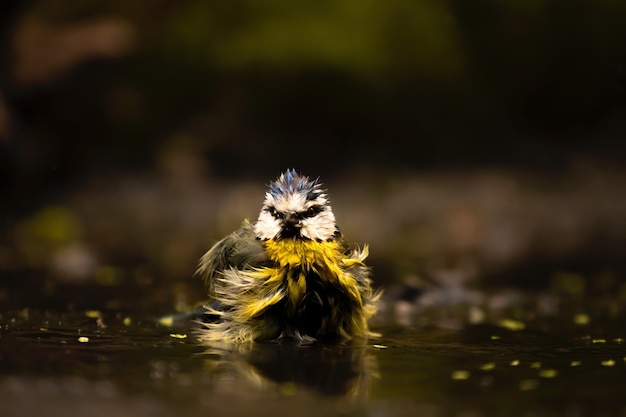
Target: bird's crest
291	182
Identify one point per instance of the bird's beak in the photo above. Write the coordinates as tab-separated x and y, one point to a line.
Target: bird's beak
291	220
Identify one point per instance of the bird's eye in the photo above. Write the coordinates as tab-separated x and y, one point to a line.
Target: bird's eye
276	214
312	211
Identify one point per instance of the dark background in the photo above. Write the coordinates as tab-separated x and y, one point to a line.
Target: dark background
482	139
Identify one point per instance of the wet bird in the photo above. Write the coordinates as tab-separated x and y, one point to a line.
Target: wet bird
289	275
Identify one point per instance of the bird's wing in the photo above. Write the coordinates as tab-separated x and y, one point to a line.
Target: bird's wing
240	250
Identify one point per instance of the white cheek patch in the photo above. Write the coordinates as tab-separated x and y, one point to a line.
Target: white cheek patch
266	227
320	227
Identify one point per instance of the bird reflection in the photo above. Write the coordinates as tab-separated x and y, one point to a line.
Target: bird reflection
289	368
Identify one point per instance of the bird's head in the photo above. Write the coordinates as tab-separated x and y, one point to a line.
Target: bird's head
295	208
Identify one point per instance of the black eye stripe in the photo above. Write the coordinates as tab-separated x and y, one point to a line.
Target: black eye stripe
276	214
310	212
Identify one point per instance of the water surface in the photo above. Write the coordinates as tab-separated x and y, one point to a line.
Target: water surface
100	363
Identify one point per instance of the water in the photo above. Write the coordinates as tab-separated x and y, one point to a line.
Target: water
99	363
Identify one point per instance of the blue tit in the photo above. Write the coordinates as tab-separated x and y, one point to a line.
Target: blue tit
290	275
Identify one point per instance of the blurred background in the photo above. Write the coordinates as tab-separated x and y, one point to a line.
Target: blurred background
471	144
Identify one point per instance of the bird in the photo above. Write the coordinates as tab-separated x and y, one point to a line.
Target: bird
291	275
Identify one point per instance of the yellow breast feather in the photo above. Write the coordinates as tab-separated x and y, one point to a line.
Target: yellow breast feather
266	302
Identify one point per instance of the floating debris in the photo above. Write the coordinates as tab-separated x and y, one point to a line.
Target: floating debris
380	346
495	337
608	362
127	321
460	375
598	341
528	384
548	373
167	321
581	319
575	363
535	365
476	315
513	325
487	366
514	362
93	314
83	339
178	335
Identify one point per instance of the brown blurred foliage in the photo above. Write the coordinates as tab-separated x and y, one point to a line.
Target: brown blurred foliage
43	52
